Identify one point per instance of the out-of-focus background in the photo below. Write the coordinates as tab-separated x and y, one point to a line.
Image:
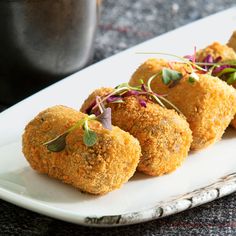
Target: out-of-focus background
126	23
122	25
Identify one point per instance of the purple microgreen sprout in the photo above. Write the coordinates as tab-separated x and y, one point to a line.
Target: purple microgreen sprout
130	93
208	59
105	118
113	98
143	87
116	91
142	103
189	57
225	70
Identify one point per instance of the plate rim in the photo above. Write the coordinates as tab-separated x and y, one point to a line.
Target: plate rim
222	187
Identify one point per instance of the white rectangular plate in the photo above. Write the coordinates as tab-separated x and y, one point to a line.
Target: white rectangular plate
204	176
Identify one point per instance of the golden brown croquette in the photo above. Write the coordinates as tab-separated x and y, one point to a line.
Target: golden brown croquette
164	136
208	104
98	169
225	52
216	50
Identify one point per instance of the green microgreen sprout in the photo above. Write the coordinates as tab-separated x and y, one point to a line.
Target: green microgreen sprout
59	143
89	137
193	77
232	78
226	71
169	76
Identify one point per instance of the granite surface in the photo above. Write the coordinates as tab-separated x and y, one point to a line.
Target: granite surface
124	24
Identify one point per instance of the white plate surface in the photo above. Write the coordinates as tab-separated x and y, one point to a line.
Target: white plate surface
142	198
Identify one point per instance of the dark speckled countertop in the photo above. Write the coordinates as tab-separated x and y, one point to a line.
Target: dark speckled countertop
122	25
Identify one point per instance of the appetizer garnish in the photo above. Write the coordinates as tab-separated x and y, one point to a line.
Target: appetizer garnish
224	70
218	60
58	143
215	66
169	77
191	68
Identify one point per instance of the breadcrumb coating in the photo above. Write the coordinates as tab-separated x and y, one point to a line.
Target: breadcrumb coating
208	104
216	50
164	136
98	169
226	52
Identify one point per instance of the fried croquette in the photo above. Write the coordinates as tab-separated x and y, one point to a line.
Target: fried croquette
224	52
98	169
209	104
164	136
216	50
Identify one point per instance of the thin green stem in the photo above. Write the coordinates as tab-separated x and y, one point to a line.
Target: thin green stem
151	79
81	122
158	100
171	104
189	63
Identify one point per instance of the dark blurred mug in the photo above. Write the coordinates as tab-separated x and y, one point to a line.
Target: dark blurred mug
42	41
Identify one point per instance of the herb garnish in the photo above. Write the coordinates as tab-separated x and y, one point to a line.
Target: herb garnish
193	77
89	137
232	78
187	60
225	70
175	76
57	144
125	90
169	76
105	118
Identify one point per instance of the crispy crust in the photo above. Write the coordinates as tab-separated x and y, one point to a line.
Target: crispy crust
98	169
164	136
217	50
209	104
226	52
